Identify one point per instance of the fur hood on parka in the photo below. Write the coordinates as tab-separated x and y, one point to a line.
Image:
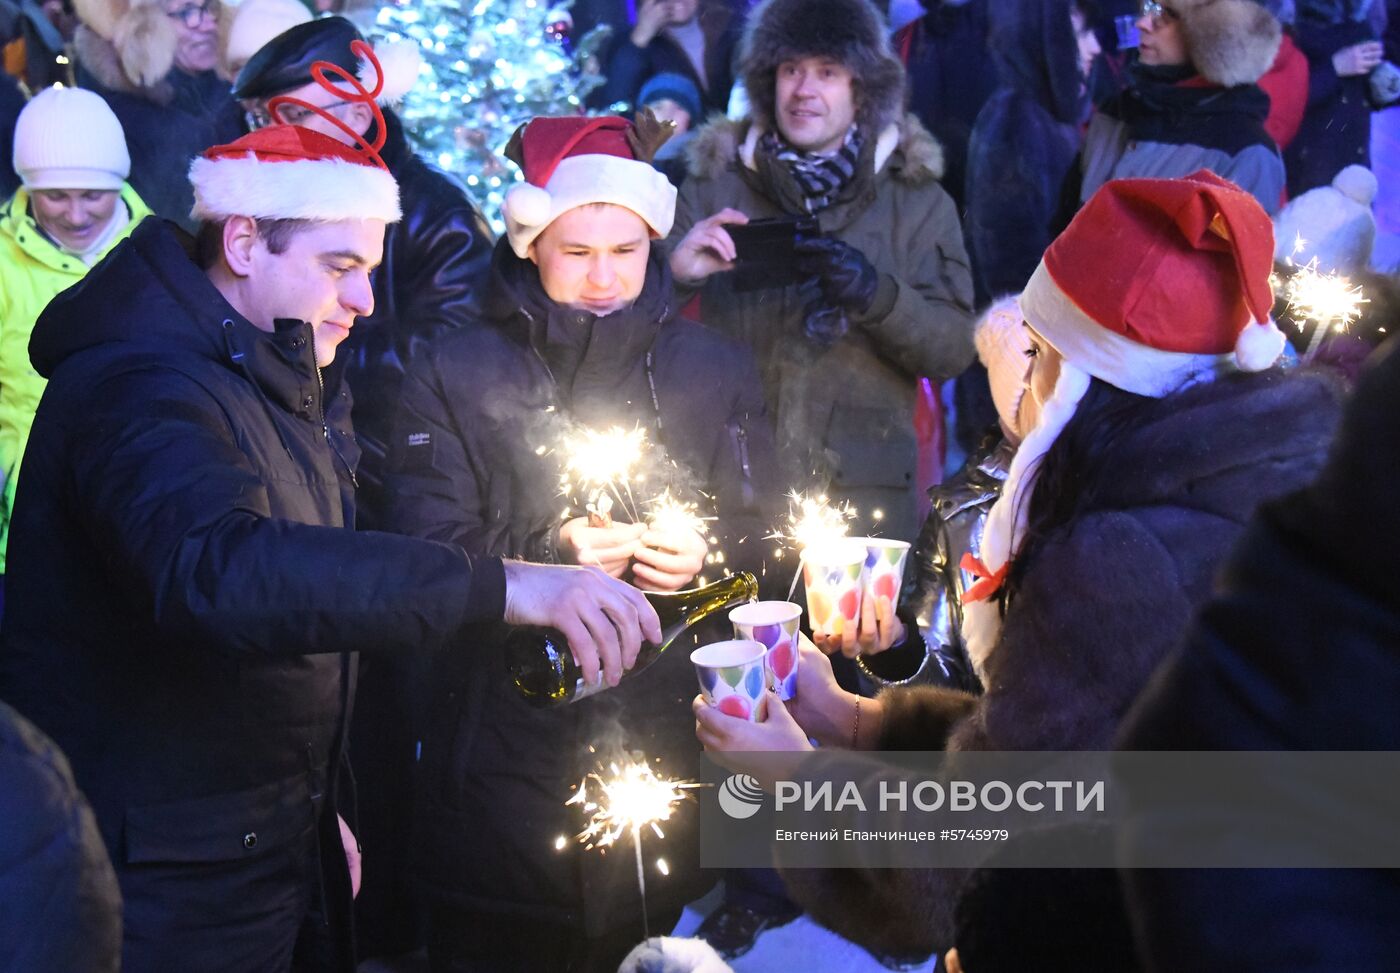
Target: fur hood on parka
850	31
1230	42
721	141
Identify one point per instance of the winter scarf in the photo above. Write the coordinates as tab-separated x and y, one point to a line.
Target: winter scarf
1174	106
819	177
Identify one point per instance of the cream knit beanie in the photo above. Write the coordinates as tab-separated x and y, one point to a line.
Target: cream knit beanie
67	138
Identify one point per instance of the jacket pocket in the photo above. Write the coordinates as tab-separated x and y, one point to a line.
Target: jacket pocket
222	827
739	450
871	447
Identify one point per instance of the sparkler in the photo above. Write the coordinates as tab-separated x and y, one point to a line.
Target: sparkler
1328	299
672	515
812	521
595	462
633	798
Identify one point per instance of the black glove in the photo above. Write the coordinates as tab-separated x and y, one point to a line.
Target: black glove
846	278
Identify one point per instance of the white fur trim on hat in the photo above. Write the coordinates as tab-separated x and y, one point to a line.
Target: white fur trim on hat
672	954
1107	355
1005	529
324	190
583	179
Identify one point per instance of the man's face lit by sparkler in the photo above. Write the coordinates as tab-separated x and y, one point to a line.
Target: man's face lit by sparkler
593	258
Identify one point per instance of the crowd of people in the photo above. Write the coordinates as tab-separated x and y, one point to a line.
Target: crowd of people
280	427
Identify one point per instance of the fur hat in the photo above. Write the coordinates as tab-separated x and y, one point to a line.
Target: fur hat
850	31
671	954
142	36
1230	42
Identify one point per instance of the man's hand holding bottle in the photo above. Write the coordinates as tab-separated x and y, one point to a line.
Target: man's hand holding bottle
604	619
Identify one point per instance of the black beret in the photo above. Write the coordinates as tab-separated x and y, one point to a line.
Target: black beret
284	63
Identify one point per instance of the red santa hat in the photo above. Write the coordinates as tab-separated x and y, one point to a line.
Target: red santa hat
1155	285
286	172
573	161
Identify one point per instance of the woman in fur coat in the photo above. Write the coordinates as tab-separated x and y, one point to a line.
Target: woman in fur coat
1159	427
153	62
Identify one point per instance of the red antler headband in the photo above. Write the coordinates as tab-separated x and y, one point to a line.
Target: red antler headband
358	93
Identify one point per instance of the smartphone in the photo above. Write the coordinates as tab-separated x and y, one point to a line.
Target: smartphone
765	250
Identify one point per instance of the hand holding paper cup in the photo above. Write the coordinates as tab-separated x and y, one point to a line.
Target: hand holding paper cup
884	569
832	573
774	624
732	677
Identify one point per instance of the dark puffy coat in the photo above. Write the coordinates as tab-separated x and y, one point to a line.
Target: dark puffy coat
466	470
1104	601
166	125
951	74
63	911
1336	129
1024	143
629	66
1298	651
435	266
184	592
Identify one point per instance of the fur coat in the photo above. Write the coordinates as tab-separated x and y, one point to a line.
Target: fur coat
1106	598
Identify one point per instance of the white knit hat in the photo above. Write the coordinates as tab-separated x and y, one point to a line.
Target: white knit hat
1334	222
255	22
67	138
1003	343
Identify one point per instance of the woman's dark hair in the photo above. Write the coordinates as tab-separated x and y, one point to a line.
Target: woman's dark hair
1072	470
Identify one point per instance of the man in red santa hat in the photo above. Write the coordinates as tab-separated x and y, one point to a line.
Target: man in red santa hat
582	327
188	591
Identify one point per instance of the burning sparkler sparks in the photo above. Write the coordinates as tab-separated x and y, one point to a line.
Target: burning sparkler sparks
595	462
671	515
813	521
1330	300
633	798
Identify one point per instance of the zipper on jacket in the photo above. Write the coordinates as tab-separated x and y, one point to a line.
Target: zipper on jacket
325	428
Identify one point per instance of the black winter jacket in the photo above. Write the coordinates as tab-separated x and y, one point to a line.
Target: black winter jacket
466	469
436	262
184	589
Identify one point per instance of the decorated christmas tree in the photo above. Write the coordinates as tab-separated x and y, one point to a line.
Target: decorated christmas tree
488	66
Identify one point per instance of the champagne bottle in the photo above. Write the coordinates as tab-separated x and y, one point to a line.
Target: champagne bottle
543	668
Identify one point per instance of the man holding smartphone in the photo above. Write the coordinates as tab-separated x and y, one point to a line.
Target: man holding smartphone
886	292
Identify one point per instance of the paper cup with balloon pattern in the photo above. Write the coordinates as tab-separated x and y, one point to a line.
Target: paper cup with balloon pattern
832	573
775	625
884	569
732	677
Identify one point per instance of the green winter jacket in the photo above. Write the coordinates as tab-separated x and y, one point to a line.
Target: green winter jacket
32	272
845	413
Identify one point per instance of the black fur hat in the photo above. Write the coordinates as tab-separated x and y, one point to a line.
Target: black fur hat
850	31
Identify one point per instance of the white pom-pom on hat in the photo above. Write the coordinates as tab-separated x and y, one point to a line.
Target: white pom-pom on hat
528	205
1258	346
401	62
